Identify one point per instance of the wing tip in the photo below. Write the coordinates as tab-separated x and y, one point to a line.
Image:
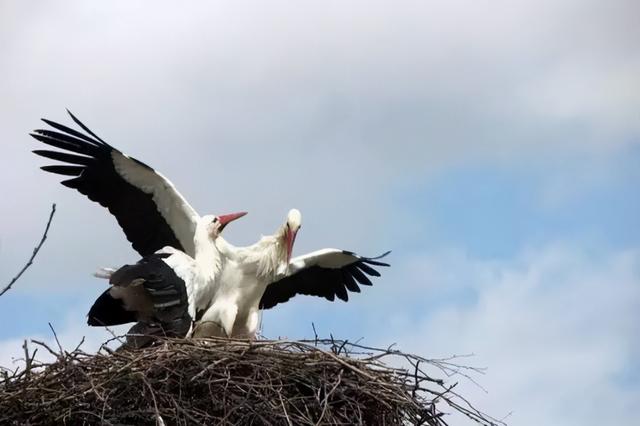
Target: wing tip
375	261
382	255
37	134
48	169
350	253
86	129
70	183
73	117
65	170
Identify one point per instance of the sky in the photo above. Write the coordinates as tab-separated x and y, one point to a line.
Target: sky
493	146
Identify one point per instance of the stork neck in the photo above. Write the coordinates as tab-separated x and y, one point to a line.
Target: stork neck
206	253
271	255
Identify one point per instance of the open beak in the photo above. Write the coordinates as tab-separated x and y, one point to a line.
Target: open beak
226	218
291	238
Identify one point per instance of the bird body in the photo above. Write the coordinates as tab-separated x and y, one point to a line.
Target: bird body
242	281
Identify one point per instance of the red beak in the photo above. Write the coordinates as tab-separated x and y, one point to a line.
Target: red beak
226	218
291	238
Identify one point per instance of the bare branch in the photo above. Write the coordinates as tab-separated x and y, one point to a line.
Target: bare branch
35	252
55	335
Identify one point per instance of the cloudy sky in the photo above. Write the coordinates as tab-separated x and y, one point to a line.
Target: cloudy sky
493	145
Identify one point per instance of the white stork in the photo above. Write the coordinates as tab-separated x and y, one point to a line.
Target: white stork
263	275
164	291
149	209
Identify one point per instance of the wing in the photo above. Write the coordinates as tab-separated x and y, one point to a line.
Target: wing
326	273
149	209
150	291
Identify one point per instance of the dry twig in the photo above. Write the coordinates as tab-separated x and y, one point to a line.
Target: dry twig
33	255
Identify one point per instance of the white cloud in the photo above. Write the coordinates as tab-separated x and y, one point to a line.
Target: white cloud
557	329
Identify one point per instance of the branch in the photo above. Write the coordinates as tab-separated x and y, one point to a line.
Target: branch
35	252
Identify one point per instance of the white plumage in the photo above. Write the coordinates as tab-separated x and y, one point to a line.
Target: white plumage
262	275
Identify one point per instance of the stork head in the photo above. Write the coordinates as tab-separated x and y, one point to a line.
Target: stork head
291	227
215	224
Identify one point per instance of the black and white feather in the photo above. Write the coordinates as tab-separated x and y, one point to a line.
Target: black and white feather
327	273
149	209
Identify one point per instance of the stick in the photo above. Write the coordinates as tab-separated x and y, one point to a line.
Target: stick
35	252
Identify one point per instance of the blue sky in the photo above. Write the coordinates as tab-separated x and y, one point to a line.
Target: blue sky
494	212
493	146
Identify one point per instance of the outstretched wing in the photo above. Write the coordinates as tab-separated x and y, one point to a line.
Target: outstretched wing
327	273
149	209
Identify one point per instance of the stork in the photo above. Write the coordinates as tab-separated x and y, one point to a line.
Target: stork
148	207
164	291
263	275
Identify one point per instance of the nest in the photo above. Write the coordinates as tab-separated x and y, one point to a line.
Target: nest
222	381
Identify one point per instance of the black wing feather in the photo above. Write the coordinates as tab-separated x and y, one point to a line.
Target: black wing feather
66	138
374	260
72	132
358	275
349	282
64	170
85	128
340	291
322	282
61	156
367	269
97	178
73	145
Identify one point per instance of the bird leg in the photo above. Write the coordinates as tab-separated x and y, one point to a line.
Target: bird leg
217	321
208	329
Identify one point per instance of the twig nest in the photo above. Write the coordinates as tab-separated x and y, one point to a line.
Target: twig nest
214	381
